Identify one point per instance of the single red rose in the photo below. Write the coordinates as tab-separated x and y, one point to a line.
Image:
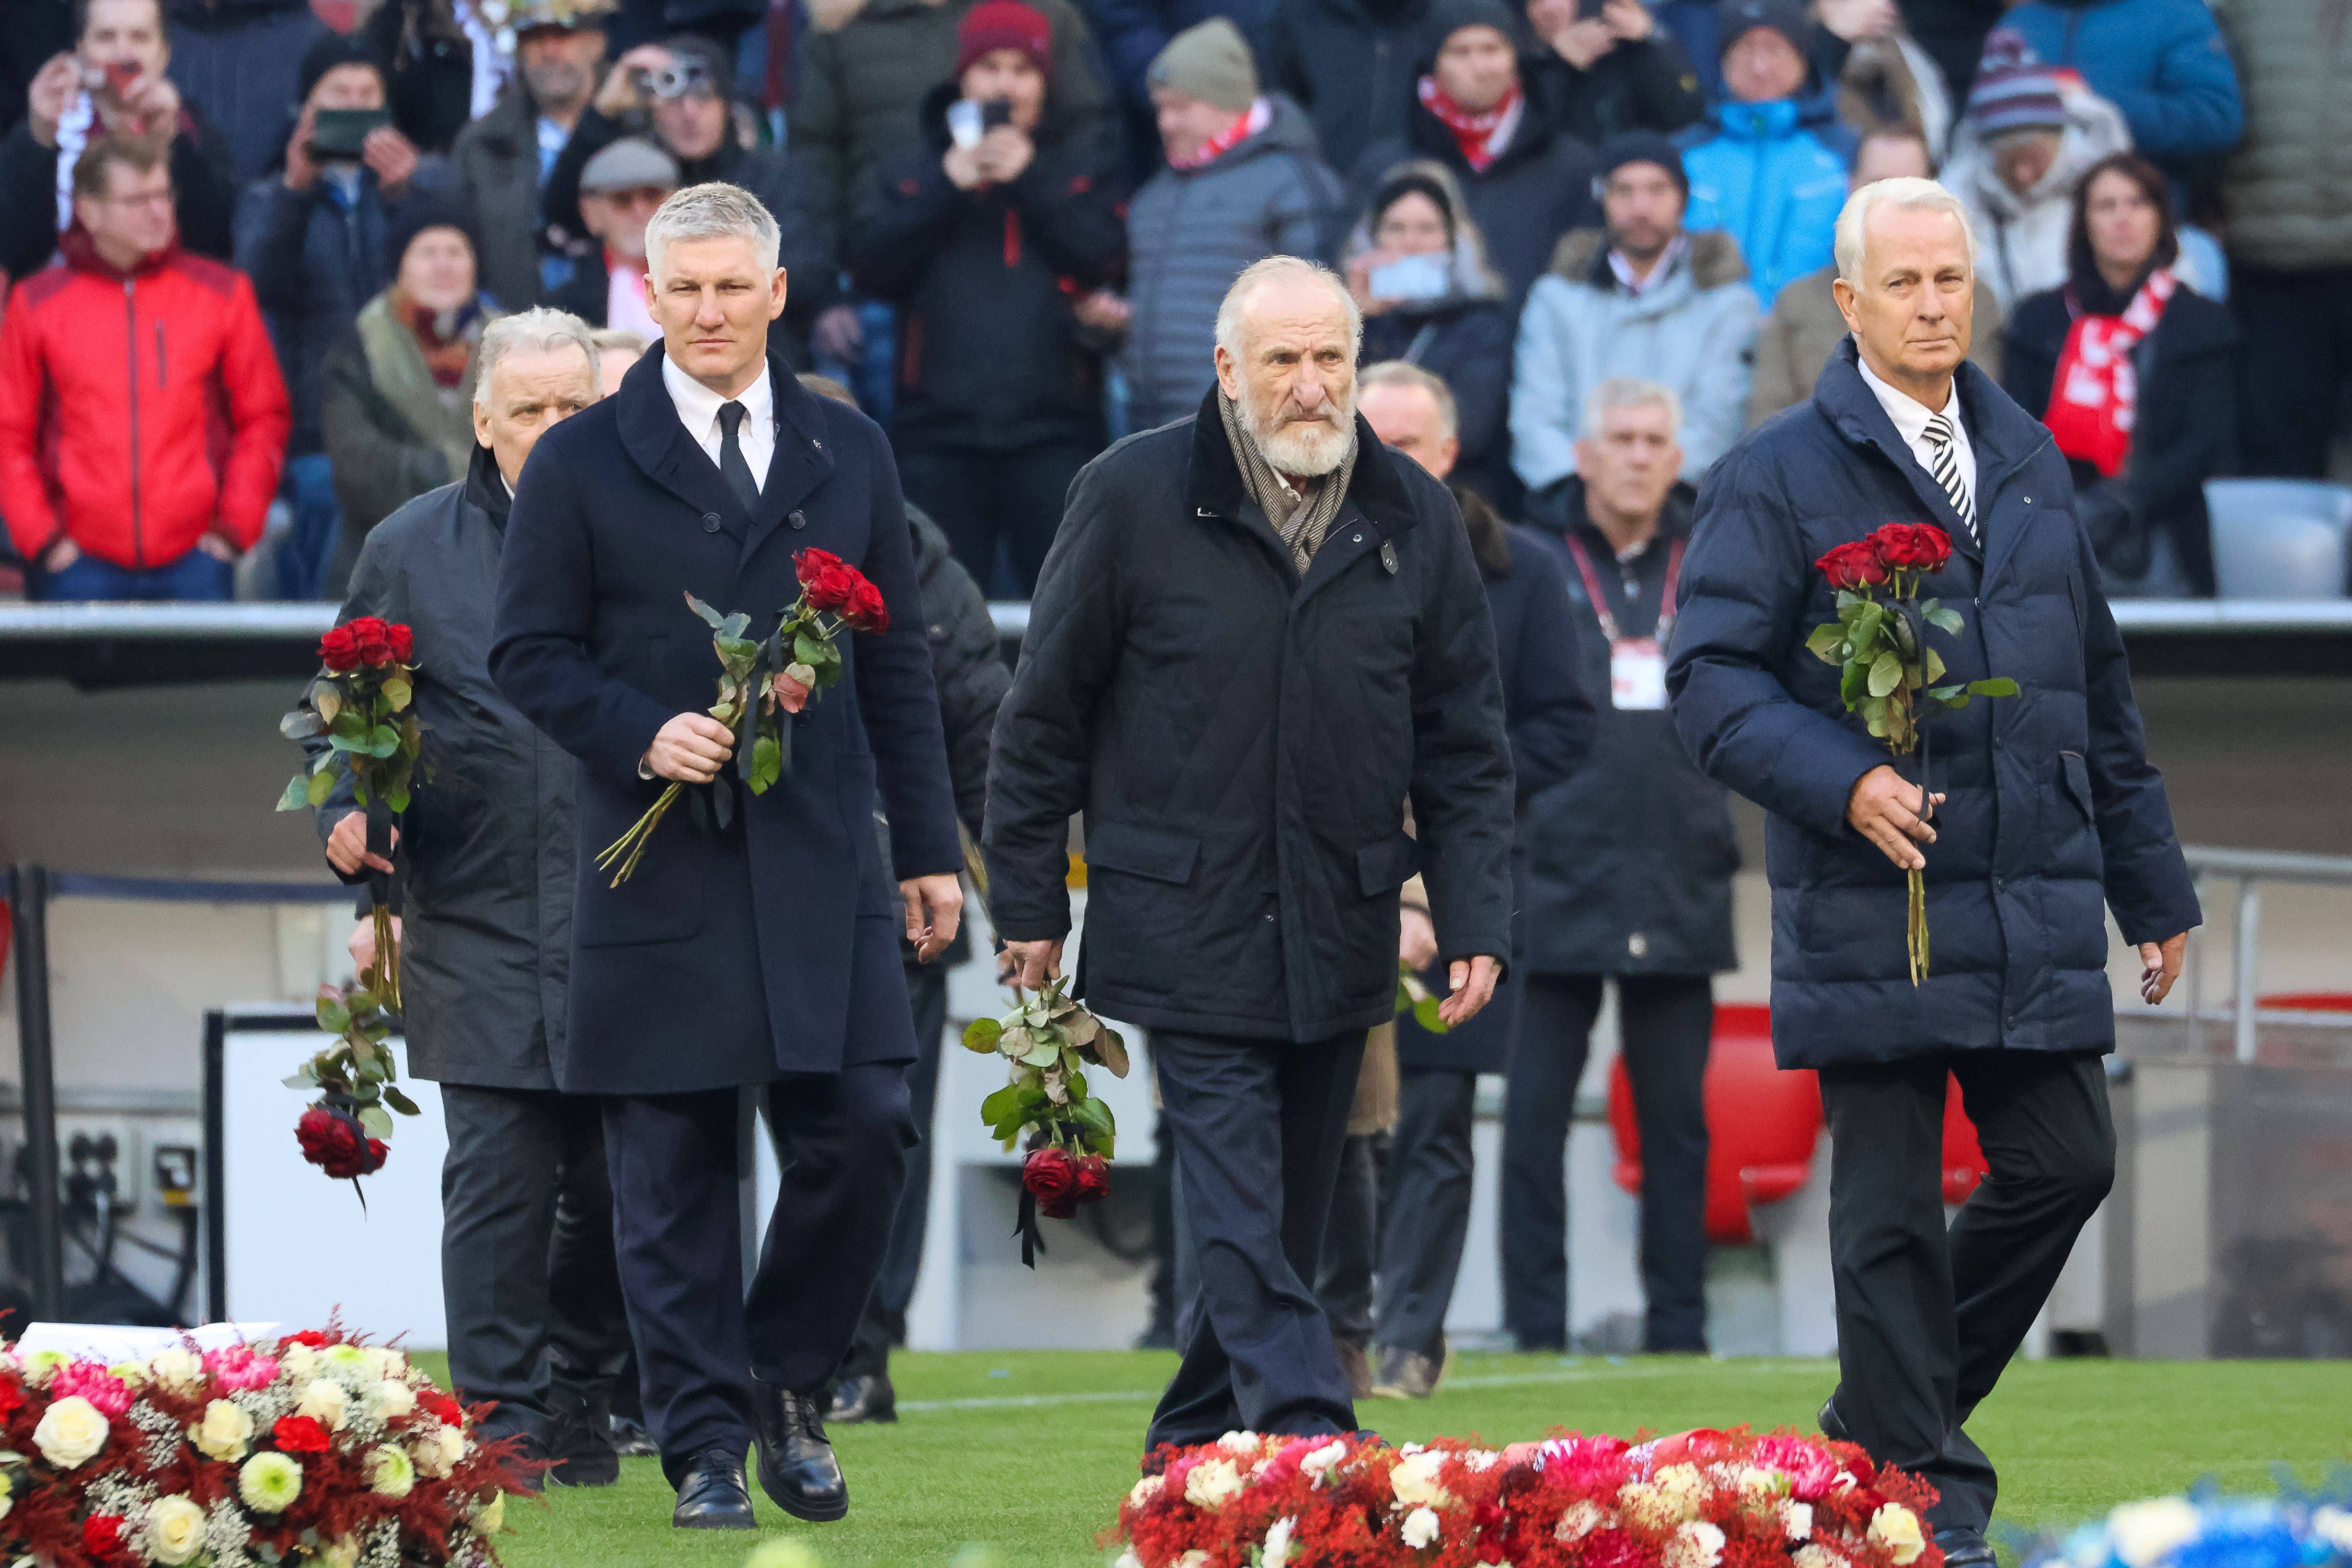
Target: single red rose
866	610
300	1434
810	562
101	1534
1853	566
1093	1178
1913	546
404	644
832	588
1052	1178
340	650
333	1142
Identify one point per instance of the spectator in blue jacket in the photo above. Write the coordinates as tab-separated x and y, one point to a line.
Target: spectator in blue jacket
1768	168
2163	62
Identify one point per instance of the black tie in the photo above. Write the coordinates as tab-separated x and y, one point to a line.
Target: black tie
732	465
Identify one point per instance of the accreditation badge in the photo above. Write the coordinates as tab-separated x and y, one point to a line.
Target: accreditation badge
1637	673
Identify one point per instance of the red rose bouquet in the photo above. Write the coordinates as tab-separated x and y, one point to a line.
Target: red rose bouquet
360	706
345	1131
1880	642
759	681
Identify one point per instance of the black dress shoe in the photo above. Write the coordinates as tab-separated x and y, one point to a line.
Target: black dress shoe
711	1495
797	1469
869	1398
580	1438
1964	1546
1832	1424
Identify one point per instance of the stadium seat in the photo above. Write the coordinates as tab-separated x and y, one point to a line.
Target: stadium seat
2280	539
1761	1124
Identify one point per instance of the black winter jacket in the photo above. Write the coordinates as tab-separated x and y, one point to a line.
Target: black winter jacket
1630	860
2186	431
242	61
2053	810
967	664
1243	743
429	71
989	357
1646	86
1466	343
204	200
1351	65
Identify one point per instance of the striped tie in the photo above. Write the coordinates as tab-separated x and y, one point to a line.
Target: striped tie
1947	469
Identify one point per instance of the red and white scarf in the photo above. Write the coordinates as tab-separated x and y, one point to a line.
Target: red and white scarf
1481	137
2095	393
1245	124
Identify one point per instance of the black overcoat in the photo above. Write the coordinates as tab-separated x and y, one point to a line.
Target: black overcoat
769	946
2053	807
485	847
1243	742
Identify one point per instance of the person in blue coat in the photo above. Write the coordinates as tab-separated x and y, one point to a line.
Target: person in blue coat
2163	62
1548	716
1768	165
2047	814
756	945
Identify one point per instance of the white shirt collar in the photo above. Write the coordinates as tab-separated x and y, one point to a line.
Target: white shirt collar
698	405
1638	286
1910	414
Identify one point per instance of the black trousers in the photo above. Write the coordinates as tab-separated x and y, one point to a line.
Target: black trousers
1667	1021
2295	365
1425	1208
527	1281
1927	1318
884	1322
1351	1239
1258	1126
842	1139
981	498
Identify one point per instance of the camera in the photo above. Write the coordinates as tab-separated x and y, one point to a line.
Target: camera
681	78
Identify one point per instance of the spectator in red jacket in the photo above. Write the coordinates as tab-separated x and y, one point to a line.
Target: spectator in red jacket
143	419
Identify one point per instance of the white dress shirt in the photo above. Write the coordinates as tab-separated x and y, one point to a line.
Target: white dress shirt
1911	417
698	410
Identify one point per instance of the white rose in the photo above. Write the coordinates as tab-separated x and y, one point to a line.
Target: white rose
1896	1528
324	1401
389	1401
177	1367
1577	1521
1415	1481
439	1451
387	1364
1698	1545
1214	1483
174	1531
1240	1443
71	1432
297	1362
1278	1543
1420	1528
1316	1461
224	1432
2147	1533
1797	1520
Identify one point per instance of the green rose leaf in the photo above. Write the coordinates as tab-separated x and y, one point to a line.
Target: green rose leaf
397	692
376	1121
1110	1049
711	618
1828	638
1425	1013
399	1101
321	785
981	1034
733	628
1853	683
767	763
1945	620
1885	673
1999	686
1006	1102
1044	1053
295	795
1934	664
328	700
301	724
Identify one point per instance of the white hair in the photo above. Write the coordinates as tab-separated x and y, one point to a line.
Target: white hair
538	329
714	210
1632	392
1267	270
1404	372
1906	194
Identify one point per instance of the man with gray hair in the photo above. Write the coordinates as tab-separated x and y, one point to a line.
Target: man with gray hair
1258	637
2044	808
534	1306
756	946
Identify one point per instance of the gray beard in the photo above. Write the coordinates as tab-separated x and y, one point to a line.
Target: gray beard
1300	449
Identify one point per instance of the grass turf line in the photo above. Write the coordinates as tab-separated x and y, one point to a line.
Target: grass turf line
1029	1451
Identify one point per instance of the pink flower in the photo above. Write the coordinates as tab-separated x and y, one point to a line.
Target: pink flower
1811	1468
108	1393
1587	1464
239	1368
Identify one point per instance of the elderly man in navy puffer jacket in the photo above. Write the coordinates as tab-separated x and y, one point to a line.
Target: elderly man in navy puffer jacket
2048	810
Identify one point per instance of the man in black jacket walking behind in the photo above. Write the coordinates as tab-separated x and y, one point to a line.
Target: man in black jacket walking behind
1259	634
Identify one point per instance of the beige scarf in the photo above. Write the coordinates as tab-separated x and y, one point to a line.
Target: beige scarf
1300	522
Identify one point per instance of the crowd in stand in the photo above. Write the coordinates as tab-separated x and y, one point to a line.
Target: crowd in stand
1008	222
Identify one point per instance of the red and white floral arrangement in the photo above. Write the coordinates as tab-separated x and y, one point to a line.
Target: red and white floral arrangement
310	1449
1701	1499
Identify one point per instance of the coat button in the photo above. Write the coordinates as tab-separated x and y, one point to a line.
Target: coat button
710	522
798	519
1269	914
1637	945
1359	539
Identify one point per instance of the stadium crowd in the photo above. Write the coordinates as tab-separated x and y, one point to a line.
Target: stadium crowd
1008	222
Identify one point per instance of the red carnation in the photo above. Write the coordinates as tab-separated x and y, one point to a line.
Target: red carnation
334	1142
1052	1178
1853	566
300	1434
866	610
404	643
314	1338
1913	546
340	650
440	1406
12	1397
1093	1178
101	1534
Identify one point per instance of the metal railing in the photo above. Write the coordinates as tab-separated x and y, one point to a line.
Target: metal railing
2248	869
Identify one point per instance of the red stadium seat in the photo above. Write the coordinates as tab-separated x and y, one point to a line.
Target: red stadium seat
1761	1124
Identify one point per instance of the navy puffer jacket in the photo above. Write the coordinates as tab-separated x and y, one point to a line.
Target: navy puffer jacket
2053	808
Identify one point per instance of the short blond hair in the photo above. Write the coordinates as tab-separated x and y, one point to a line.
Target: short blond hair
713	210
1633	391
1907	194
1404	372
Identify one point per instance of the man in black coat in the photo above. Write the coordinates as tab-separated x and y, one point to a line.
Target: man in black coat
1258	637
2047	809
485	855
755	945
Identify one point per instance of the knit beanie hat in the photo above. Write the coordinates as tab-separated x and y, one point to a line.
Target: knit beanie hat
1735	19
1641	147
1004	25
421	210
1211	62
1450	16
2014	90
330	50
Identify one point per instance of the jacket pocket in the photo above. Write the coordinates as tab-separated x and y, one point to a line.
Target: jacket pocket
1145	852
1385	867
2075	773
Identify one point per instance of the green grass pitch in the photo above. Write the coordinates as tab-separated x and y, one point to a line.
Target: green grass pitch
1028	1452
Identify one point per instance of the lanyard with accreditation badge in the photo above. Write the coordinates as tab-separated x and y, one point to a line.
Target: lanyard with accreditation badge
1637	666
